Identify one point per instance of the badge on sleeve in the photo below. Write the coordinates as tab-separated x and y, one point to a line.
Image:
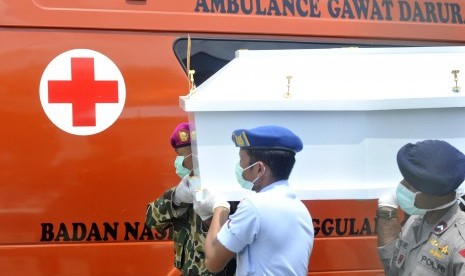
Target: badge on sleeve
401	254
400	260
462	252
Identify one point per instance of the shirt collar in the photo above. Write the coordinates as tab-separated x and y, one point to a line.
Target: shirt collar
274	185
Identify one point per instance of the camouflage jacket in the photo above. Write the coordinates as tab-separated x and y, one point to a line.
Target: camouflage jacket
189	232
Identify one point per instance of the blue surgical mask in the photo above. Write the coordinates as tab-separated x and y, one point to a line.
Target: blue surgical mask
181	171
406	200
244	183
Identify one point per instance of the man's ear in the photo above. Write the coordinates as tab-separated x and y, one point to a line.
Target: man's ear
262	167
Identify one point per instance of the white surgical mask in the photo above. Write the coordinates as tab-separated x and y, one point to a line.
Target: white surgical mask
181	171
406	200
244	183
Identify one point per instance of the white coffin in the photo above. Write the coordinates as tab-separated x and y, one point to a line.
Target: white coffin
353	108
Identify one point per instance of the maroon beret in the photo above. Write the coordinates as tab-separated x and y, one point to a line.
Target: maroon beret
181	136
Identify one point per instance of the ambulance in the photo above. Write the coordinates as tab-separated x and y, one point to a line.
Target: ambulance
78	169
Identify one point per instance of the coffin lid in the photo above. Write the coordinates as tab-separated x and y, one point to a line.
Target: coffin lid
353	108
334	79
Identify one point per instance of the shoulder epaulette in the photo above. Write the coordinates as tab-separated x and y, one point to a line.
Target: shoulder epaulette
460	222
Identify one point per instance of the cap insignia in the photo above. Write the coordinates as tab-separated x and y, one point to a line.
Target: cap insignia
241	140
183	136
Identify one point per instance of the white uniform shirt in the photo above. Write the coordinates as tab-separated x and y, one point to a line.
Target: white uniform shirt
271	232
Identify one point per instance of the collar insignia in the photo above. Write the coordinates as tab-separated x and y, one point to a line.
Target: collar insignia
440	227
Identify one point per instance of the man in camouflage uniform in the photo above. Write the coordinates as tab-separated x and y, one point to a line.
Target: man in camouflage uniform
174	209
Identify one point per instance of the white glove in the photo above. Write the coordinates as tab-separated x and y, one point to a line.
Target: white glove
203	212
211	200
388	199
183	192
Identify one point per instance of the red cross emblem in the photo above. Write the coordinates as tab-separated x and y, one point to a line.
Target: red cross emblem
85	99
83	91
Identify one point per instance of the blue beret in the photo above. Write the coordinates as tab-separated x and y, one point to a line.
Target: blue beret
433	167
267	137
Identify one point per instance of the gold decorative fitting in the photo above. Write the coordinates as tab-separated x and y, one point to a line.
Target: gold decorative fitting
288	93
191	82
456	88
190	73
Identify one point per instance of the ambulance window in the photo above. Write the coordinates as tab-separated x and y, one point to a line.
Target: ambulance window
209	55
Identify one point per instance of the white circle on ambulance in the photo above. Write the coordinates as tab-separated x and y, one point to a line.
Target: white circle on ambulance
82	92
